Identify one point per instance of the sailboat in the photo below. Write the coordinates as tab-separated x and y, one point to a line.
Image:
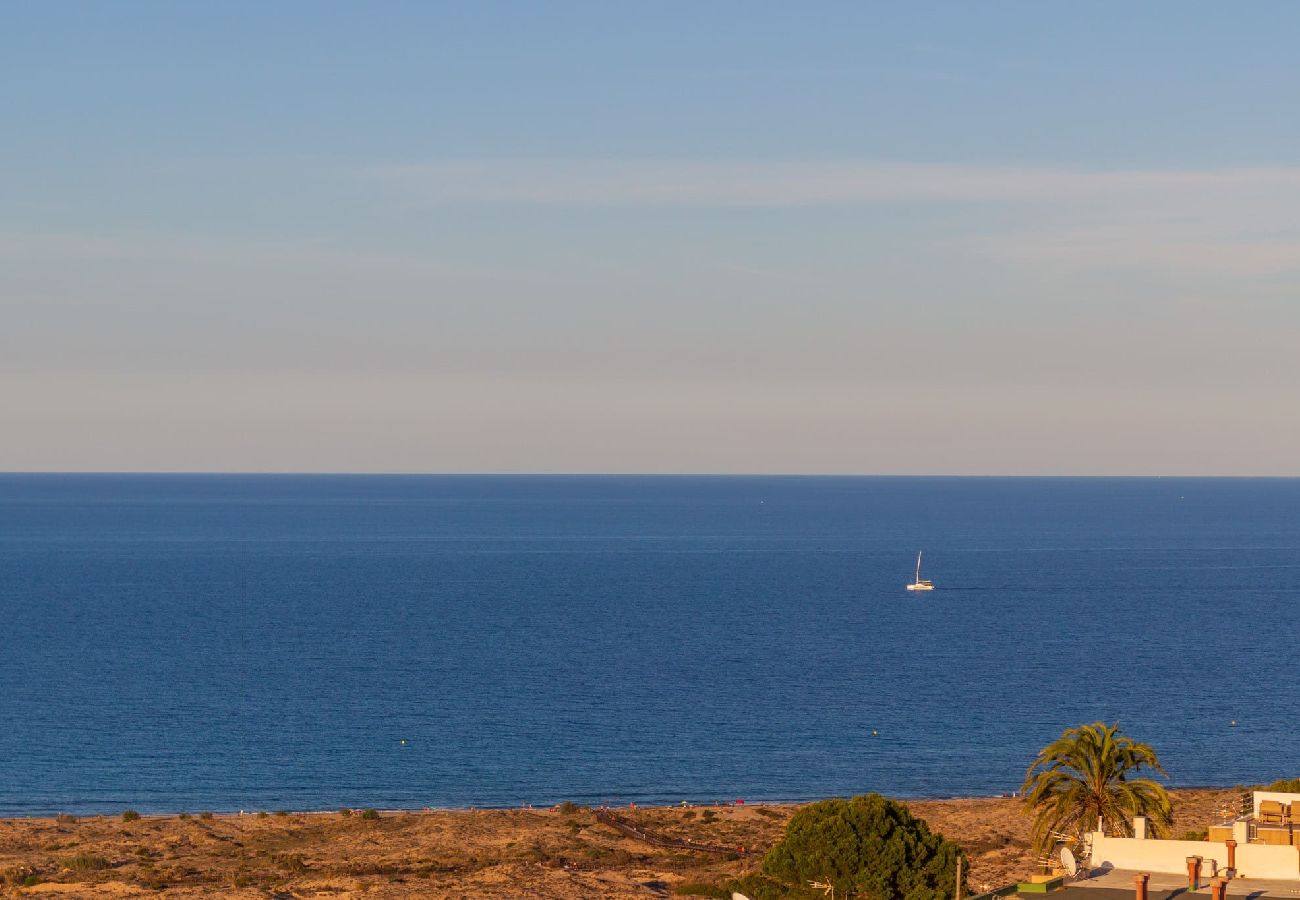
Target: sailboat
918	584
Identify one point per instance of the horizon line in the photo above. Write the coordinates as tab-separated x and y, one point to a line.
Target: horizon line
629	474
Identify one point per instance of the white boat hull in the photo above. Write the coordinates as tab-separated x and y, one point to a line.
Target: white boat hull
919	583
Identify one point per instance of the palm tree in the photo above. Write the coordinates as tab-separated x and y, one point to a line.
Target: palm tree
1087	774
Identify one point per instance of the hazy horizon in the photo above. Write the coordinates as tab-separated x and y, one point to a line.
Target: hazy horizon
774	476
607	239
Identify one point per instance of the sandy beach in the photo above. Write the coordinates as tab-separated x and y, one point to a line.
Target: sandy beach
461	853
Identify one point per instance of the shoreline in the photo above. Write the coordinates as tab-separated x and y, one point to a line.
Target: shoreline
480	852
612	803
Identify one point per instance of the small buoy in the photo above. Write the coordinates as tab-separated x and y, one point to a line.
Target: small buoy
1234	723
874	733
403	742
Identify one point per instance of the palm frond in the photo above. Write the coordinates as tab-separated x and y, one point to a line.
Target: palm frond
1090	774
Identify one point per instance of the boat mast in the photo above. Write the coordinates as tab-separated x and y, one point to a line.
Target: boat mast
918	567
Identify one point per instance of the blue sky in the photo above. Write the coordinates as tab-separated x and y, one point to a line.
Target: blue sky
708	237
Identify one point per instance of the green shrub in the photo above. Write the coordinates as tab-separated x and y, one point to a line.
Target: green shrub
84	862
370	814
65	819
130	815
19	876
769	813
568	807
344	811
262	814
184	817
205	816
868	845
697	889
282	813
1286	786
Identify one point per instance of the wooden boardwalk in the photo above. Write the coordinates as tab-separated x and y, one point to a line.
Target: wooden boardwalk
631	829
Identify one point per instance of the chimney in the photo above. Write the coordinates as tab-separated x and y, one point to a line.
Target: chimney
1140	827
1140	886
1241	831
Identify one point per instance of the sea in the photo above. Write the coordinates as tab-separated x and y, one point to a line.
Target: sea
224	642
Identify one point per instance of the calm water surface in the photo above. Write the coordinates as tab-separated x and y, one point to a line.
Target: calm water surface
265	642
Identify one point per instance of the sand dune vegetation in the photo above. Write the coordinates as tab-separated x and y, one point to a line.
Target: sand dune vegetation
459	853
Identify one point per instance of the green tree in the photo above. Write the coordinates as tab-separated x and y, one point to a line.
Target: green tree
1088	773
869	846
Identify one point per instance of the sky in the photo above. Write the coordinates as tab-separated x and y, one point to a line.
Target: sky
725	237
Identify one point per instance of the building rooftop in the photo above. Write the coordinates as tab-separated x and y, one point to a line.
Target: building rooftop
1117	884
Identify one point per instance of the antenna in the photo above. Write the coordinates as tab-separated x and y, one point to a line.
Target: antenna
1067	859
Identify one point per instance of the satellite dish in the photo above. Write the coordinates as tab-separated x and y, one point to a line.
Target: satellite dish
1067	859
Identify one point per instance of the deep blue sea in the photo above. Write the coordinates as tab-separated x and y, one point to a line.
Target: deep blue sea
176	643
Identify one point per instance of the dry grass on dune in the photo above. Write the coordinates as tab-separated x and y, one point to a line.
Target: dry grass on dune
489	853
463	853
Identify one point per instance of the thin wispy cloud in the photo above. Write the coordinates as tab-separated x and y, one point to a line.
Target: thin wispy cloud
793	184
1221	222
1166	247
233	253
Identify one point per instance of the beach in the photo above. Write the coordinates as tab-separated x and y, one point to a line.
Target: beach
465	853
